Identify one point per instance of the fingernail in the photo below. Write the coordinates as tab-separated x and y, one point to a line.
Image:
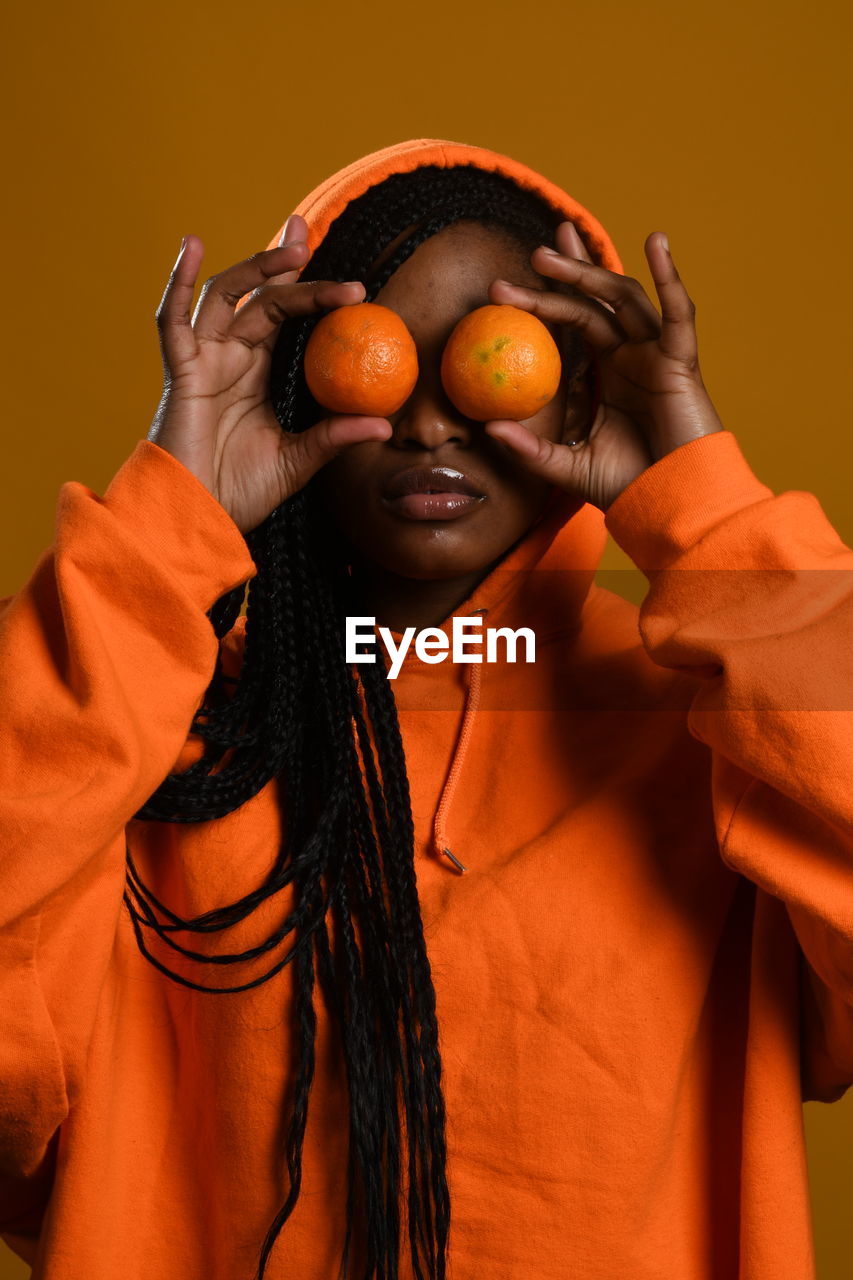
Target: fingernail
552	253
283	237
576	236
665	241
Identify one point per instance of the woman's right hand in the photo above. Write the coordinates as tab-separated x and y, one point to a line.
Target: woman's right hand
215	415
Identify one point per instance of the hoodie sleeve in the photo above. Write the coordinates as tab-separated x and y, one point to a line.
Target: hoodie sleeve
105	655
752	594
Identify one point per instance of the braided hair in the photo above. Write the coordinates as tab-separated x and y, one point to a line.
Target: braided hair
298	712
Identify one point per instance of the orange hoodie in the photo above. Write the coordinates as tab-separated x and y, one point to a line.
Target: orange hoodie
645	967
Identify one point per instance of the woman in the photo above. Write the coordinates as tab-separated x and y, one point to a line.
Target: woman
553	950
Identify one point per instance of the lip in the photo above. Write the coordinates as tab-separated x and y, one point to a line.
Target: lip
431	493
429	480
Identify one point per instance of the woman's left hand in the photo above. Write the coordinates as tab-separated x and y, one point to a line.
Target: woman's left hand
652	397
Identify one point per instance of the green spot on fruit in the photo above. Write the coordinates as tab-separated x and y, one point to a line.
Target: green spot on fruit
482	354
500	343
498	378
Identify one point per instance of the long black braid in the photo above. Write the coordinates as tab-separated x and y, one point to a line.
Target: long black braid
330	734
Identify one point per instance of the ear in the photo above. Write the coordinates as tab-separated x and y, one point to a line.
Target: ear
581	385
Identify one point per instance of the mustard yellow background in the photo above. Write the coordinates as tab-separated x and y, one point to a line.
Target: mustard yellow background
724	124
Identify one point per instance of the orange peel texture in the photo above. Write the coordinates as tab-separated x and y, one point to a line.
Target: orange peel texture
361	359
500	362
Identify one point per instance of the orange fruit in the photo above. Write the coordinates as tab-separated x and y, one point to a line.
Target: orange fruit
361	359
500	362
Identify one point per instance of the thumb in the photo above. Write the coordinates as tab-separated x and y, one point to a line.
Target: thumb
307	451
556	463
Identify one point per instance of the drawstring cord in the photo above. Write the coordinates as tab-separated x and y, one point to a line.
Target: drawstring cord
472	701
473	682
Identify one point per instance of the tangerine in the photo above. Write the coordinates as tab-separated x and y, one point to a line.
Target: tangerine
361	359
500	362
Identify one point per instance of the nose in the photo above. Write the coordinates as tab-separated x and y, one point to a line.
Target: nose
428	419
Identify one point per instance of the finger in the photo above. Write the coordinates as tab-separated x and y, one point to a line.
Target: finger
215	308
294	231
259	320
295	228
626	296
556	463
678	312
177	341
599	326
569	243
305	452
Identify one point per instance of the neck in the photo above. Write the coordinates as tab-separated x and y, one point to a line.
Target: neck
397	602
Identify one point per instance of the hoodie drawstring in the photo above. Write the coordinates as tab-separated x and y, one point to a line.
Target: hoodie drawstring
472	701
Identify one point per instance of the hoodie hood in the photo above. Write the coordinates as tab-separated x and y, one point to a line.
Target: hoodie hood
330	198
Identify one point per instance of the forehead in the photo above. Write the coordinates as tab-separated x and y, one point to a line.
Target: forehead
450	273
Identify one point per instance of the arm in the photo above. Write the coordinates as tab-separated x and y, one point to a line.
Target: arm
753	594
107	651
749	592
105	655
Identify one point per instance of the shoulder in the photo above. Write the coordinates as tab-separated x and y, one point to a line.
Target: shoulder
608	666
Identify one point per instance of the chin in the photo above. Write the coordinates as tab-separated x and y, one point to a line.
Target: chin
434	551
430	568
